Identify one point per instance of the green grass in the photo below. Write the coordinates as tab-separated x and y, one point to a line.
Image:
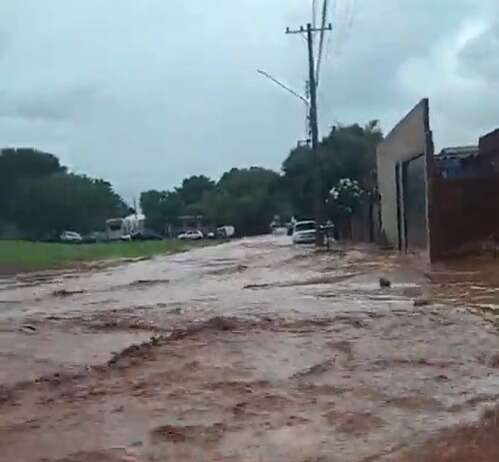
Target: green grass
31	256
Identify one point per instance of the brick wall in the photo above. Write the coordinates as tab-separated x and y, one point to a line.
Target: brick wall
464	212
489	150
489	143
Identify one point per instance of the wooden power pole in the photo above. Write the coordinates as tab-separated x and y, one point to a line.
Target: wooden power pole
319	199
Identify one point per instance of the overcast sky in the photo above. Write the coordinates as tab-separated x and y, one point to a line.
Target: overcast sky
146	92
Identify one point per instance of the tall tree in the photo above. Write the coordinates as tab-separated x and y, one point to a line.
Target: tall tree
347	152
248	199
194	187
161	208
47	205
21	164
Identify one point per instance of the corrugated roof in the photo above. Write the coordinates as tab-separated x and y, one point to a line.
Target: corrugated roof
461	152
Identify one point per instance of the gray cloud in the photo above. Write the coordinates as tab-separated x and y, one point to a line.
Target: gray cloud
60	104
144	93
479	57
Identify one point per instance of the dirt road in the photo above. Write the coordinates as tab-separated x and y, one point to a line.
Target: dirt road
250	351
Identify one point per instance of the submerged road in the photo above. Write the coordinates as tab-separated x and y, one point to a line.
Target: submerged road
254	350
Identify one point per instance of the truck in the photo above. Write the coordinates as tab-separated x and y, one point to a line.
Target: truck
226	232
125	229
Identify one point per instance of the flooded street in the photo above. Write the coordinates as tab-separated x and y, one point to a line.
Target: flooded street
249	351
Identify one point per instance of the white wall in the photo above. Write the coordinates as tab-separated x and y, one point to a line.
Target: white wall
407	140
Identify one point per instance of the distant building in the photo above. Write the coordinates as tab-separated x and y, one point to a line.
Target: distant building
461	162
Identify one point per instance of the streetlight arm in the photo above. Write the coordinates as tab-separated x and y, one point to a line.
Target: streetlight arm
285	87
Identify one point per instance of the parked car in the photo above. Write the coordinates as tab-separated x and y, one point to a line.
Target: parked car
148	235
70	237
304	232
191	235
96	236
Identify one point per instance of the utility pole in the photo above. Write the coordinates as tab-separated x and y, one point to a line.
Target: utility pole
319	199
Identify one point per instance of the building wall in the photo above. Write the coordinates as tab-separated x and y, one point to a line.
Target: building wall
465	212
489	150
489	143
410	139
421	206
363	226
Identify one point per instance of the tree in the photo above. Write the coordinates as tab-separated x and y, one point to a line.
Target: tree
39	197
249	198
347	152
21	164
194	188
299	181
48	205
161	208
247	181
345	198
26	163
350	152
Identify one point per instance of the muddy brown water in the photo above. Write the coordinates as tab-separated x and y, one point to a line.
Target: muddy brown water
260	351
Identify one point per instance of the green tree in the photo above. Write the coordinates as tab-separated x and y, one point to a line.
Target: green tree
21	164
161	208
194	188
299	181
245	198
48	205
345	198
249	198
347	152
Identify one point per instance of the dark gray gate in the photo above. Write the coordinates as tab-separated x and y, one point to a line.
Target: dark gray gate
415	204
411	204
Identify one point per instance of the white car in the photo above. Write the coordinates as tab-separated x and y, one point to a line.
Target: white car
304	232
70	237
191	236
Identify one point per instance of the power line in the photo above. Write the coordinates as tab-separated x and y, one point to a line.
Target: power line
327	47
314	13
345	24
334	18
321	40
352	17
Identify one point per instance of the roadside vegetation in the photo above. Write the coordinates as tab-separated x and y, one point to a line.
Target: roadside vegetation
18	256
249	198
40	198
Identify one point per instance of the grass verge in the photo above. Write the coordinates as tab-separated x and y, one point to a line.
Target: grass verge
19	256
